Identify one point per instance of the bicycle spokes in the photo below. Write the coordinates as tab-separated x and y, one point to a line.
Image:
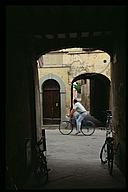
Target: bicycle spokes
88	128
65	127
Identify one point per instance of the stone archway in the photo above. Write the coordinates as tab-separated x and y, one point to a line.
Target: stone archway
99	93
62	92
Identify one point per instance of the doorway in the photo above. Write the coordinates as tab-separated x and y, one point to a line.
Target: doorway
51	102
98	93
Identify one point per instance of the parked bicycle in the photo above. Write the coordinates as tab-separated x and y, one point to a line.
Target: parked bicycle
40	166
67	126
108	149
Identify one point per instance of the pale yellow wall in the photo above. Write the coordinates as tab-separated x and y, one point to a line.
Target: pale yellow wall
82	63
53	59
85	94
78	62
69	65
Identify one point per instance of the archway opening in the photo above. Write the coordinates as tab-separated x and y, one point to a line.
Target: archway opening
70	64
99	87
94	94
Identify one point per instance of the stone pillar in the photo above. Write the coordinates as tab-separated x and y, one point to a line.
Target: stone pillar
20	111
37	96
119	98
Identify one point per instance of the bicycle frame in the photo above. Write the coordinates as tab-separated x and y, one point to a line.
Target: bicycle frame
108	145
109	124
40	170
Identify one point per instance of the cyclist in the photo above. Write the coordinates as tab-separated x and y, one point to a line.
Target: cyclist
82	112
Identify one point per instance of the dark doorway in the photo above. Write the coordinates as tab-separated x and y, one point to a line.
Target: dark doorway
51	102
99	96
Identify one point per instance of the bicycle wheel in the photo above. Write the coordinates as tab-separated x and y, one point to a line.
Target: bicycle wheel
88	128
103	153
110	158
65	127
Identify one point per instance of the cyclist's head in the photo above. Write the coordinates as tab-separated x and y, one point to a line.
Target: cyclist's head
75	100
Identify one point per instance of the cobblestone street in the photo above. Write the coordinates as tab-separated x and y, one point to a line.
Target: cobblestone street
75	164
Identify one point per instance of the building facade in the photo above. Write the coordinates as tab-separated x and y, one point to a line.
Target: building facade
66	64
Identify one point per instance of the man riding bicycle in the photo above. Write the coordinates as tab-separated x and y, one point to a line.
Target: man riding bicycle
82	112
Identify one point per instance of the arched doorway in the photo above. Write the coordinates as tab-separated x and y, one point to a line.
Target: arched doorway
100	87
51	102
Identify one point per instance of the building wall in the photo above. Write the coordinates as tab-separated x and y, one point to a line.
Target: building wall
85	94
68	63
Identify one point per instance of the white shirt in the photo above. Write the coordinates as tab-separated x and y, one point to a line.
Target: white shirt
79	107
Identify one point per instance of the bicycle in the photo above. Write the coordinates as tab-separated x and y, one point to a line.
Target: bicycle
108	150
67	126
40	167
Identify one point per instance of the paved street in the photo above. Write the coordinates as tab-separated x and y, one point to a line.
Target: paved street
74	162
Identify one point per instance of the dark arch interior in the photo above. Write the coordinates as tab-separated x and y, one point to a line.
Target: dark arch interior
99	94
50	84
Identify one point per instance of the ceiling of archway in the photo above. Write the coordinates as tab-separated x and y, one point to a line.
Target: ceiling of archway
56	19
64	26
